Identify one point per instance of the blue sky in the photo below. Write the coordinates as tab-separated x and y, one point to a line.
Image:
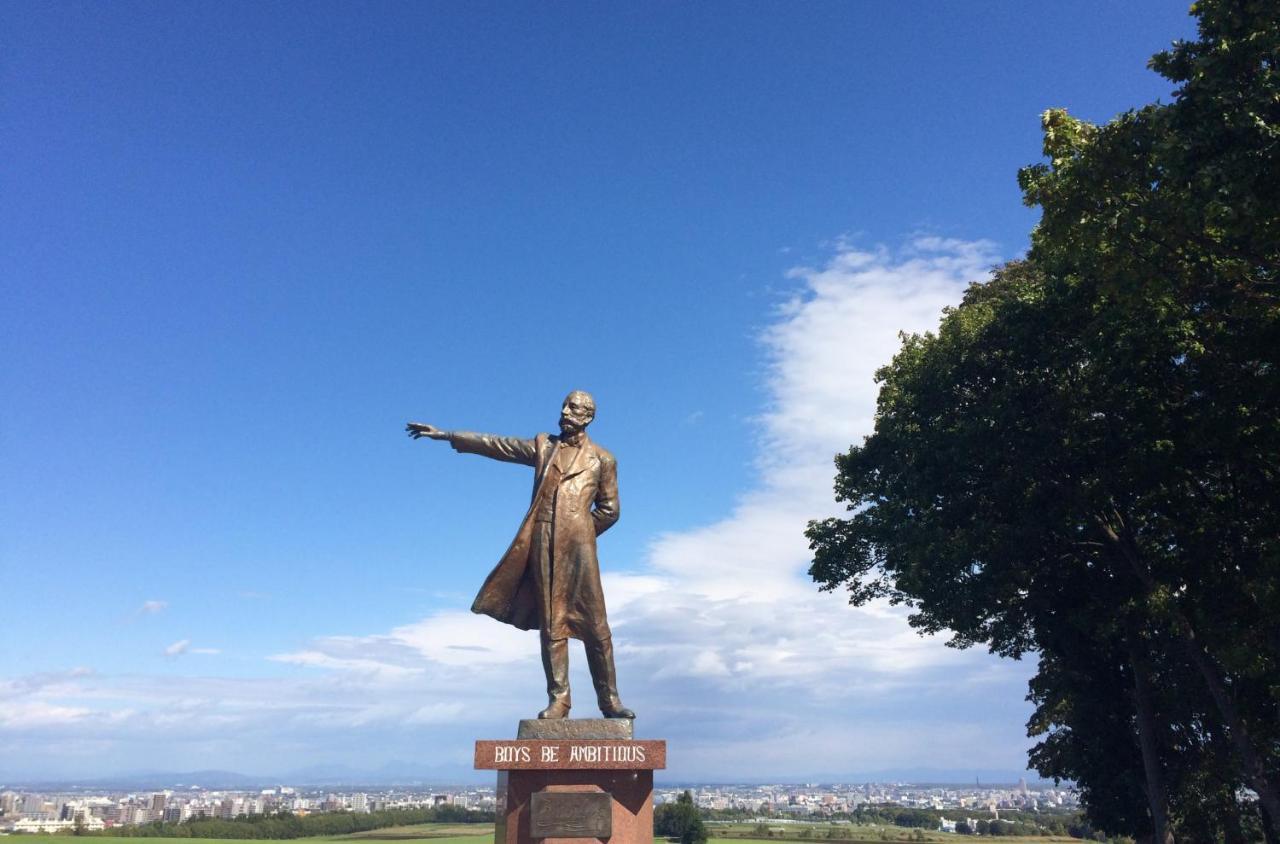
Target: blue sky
241	244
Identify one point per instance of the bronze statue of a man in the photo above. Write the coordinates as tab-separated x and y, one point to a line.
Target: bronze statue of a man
549	578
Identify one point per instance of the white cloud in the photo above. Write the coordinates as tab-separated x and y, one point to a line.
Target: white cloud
726	619
436	713
183	646
736	591
320	659
452	638
152	607
27	714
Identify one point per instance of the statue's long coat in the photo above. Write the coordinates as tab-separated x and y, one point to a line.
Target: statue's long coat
563	598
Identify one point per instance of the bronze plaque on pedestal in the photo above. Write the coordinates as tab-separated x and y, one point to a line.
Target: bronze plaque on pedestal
570	814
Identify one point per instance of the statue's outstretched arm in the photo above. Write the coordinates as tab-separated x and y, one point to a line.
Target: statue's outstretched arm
510	449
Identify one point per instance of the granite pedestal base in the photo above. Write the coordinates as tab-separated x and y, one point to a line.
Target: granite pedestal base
572	780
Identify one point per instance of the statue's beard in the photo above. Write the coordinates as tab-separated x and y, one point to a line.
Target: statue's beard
570	427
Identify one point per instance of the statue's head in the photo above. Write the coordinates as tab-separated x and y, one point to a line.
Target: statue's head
576	413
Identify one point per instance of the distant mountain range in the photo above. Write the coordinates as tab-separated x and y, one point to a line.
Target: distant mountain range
393	773
914	776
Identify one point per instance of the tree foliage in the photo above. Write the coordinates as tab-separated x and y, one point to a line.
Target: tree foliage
680	820
286	825
1084	461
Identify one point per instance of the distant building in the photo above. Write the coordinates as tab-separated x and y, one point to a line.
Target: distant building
31	825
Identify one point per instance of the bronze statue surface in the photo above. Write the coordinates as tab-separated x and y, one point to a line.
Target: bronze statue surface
549	577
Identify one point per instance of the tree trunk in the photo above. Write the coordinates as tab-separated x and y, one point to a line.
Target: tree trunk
1255	770
1232	809
1157	800
1232	828
1268	835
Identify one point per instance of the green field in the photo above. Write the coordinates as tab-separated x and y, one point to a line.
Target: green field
854	834
446	833
481	833
847	833
875	834
435	833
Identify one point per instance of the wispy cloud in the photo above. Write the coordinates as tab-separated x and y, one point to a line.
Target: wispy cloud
178	648
726	611
152	607
28	714
183	646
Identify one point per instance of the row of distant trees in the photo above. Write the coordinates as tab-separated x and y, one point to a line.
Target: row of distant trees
1013	822
287	825
1083	463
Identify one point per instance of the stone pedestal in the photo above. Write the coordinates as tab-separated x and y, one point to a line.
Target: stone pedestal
574	779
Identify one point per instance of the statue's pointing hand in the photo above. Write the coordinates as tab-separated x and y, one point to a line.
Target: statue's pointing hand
418	430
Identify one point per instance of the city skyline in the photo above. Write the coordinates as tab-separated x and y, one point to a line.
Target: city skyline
94	810
238	247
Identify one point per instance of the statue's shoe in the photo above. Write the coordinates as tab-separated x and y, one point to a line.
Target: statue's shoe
556	709
617	711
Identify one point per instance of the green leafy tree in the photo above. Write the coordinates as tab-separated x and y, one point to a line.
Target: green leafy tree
1169	215
1084	461
680	820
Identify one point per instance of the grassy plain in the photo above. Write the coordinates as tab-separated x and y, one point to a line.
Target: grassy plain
479	833
838	832
445	833
872	834
434	833
860	834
